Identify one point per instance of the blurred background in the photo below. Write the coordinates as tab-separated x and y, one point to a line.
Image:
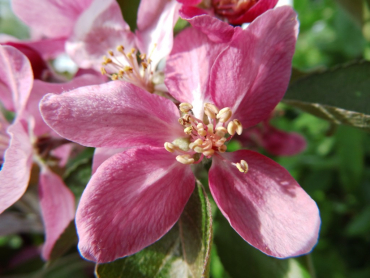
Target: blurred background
334	169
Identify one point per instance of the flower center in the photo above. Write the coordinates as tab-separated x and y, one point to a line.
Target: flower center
130	67
204	137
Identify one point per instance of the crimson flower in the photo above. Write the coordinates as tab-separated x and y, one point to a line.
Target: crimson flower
138	194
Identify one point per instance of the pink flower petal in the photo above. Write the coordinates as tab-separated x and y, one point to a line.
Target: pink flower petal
15	78
38	65
252	75
57	206
189	2
266	206
47	48
41	88
4	137
132	200
188	68
259	8
99	29
51	18
63	153
155	28
115	114
102	154
217	30
15	172
282	143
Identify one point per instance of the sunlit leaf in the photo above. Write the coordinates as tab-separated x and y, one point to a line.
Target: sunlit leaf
183	252
340	95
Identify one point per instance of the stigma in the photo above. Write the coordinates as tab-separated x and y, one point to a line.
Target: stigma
203	137
129	66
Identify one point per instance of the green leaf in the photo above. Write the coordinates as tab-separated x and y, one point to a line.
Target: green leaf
129	12
350	151
339	95
184	251
354	8
360	224
242	260
66	240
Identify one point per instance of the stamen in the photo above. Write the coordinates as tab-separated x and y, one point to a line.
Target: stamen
205	139
120	48
221	131
242	166
224	115
188	130
210	110
222	149
185	107
231	128
209	152
239	128
170	147
185	159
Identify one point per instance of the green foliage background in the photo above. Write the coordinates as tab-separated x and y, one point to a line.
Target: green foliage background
334	169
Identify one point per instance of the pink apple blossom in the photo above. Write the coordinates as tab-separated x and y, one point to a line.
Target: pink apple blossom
29	139
92	29
138	194
236	12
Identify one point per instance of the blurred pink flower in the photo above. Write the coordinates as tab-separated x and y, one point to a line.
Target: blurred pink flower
29	140
273	140
235	12
94	28
137	195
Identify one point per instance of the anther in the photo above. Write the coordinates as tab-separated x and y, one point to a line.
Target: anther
185	107
185	159
103	71
224	115
114	77
120	48
220	142
170	147
188	130
242	166
121	73
198	149
208	152
239	127
186	118
128	69
210	128
232	127
221	131
222	149
106	60
182	121
110	52
142	56
210	110
196	143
